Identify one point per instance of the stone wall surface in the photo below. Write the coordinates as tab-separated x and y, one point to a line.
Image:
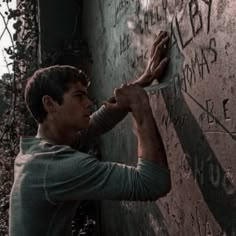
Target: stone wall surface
196	114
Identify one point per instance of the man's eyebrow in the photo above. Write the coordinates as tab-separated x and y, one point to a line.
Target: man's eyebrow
80	91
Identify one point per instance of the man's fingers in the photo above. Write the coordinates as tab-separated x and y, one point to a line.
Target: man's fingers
160	34
160	49
109	105
123	85
164	42
159	69
111	99
159	38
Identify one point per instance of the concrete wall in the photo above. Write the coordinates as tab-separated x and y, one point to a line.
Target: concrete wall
196	115
60	33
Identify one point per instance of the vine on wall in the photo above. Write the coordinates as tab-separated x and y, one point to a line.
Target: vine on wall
15	120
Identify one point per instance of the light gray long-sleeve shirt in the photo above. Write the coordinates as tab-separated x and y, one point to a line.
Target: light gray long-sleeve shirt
51	180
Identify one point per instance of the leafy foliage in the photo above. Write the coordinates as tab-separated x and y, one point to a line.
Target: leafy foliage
15	120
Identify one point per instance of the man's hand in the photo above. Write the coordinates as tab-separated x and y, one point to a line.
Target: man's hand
156	64
129	97
157	61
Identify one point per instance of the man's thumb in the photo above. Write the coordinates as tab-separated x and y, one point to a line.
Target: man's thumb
109	105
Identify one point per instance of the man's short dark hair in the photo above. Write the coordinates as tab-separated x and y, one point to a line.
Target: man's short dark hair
53	81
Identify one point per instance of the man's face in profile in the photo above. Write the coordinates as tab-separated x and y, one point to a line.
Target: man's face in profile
74	113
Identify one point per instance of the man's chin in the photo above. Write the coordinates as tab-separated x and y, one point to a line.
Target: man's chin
84	126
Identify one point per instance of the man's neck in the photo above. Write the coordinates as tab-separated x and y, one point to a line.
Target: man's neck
59	136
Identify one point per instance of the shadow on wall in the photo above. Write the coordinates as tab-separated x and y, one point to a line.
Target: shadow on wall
221	196
152	219
138	219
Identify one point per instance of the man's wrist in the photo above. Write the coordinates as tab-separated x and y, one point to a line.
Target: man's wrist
140	113
144	107
144	80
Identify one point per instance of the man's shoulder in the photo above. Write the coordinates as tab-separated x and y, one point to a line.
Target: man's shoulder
40	147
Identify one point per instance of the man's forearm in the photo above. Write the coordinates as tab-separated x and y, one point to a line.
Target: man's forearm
103	120
150	145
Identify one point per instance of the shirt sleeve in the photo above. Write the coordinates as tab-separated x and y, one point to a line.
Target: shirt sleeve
86	178
101	121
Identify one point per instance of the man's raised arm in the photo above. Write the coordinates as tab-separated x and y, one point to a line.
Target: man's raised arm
106	118
135	99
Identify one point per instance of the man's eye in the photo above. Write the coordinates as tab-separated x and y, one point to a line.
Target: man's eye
81	96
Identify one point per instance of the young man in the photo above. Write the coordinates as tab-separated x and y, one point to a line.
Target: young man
52	176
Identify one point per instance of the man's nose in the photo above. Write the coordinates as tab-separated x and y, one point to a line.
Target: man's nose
89	103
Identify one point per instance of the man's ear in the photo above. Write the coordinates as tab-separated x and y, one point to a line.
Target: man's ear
49	104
